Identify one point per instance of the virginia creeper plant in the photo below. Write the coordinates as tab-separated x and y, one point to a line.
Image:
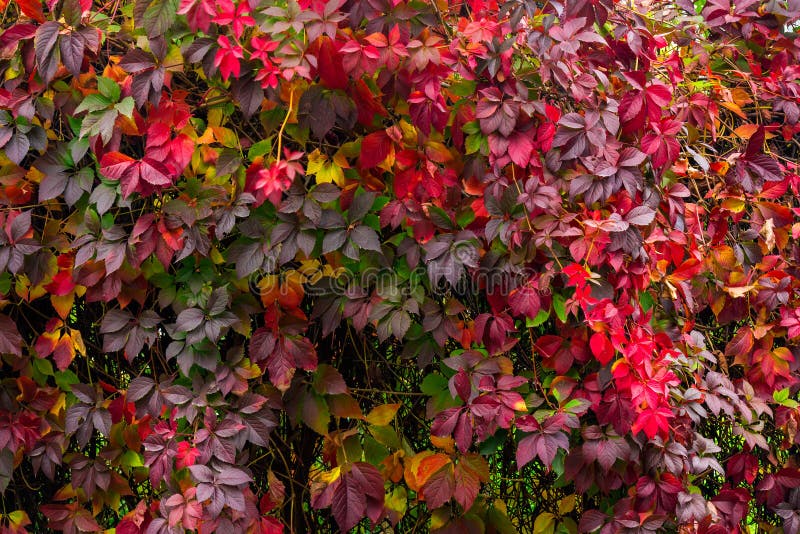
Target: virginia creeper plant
398	265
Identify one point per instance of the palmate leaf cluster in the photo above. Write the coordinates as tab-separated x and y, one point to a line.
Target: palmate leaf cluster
399	266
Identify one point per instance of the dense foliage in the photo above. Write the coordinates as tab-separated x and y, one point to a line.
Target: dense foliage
481	266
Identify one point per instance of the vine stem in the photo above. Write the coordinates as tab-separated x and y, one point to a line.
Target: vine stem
519	190
283	124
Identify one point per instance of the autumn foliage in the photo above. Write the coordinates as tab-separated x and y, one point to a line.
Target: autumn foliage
399	265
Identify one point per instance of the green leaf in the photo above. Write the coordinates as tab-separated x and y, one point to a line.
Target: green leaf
464	218
65	379
439	217
781	395
5	282
374	452
559	306
316	413
99	123
108	88
782	398
499	520
540	318
131	458
475	143
42	368
465	88
93	102
646	300
386	435
126	106
433	384
493	443
259	149
471	128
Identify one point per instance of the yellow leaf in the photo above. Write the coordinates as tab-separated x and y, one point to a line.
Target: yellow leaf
768	233
207	138
327	477
409	133
566	505
740	96
174	60
77	341
439	518
226	136
18	518
437	152
718	304
248	369
34	175
216	256
520	406
315	161
382	415
740	291
397	501
344	405
544	524
505	364
325	171
59	405
215	115
309	268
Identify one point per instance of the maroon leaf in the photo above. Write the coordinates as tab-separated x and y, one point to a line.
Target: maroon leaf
47	55
441	486
359	494
10	339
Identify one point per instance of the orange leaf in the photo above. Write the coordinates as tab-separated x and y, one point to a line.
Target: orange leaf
63	303
428	466
746	130
735	108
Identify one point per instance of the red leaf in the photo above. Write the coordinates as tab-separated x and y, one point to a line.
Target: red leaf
331	70
62	284
118	166
13	35
154	172
115	164
468	474
375	148
227	58
601	348
520	148
32	9
181	149
198	13
653	421
525	301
